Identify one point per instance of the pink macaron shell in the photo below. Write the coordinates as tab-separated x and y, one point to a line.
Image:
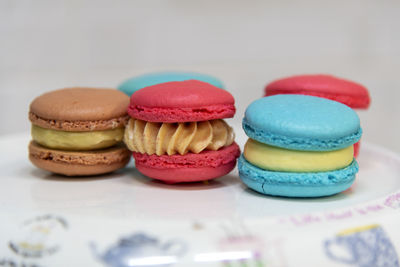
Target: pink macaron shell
186	175
184	101
347	92
190	167
356	149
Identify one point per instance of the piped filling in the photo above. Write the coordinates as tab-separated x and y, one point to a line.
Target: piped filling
76	140
177	138
279	159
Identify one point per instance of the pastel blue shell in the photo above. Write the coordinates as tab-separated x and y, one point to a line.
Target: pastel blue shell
295	184
136	83
301	122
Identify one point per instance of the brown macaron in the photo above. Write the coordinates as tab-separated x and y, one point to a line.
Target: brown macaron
78	131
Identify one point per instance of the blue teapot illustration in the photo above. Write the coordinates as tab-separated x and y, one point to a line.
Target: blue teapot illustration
366	246
140	249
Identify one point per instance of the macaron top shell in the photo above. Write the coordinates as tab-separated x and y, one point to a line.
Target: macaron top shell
181	102
302	123
136	83
347	92
80	104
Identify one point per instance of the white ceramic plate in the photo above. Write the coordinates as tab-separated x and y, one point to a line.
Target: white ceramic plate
53	220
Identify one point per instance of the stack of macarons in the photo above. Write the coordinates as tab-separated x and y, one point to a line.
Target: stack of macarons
299	146
139	82
341	90
177	132
78	131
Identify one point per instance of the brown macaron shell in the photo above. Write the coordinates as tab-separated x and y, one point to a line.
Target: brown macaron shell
80	109
72	163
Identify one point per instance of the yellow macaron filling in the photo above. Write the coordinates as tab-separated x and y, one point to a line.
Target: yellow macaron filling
279	159
76	140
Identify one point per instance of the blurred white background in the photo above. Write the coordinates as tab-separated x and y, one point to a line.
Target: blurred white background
46	45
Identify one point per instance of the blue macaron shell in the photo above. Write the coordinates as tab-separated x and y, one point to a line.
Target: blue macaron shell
136	83
296	184
301	122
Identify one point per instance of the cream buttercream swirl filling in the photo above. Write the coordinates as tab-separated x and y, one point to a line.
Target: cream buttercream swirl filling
172	138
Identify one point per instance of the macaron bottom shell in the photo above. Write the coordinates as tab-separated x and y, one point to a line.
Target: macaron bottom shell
76	163
186	174
296	184
190	167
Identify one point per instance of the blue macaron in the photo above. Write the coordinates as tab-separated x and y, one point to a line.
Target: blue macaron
301	123
136	83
